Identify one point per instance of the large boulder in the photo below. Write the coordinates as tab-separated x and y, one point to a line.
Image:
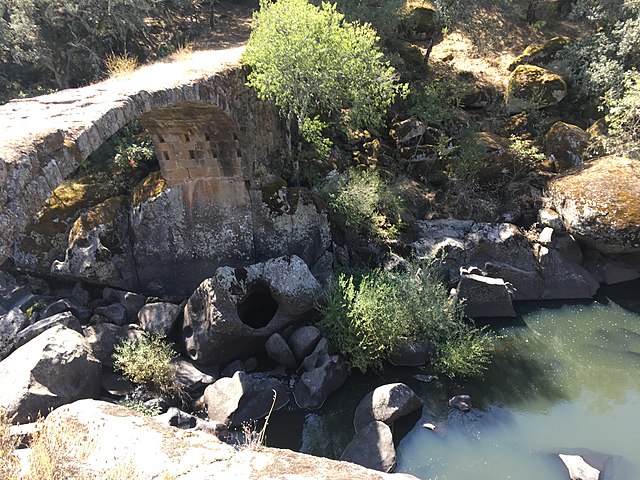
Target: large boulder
55	368
386	404
541	54
531	87
598	202
244	398
180	454
485	296
99	247
566	144
232	314
419	21
494	157
372	447
183	233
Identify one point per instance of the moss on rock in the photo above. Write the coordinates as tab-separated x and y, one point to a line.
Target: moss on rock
540	54
598	202
530	87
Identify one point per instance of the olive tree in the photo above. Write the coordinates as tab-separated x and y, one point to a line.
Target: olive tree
319	69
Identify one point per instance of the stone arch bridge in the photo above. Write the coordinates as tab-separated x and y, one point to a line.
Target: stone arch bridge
212	138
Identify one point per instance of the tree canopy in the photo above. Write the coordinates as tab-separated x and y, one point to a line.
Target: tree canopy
319	68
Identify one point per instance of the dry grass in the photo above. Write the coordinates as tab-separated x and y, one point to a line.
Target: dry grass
120	65
57	452
182	53
9	462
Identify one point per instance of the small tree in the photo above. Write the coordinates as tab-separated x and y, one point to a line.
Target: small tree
319	69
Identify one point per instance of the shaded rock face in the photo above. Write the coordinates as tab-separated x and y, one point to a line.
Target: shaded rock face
183	233
372	447
485	296
232	314
531	87
244	398
598	202
45	239
496	157
181	454
55	368
98	247
567	145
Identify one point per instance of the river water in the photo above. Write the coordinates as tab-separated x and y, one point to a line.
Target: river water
564	378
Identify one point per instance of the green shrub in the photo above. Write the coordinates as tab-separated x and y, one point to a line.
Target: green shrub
363	204
623	119
150	410
435	103
369	314
319	69
128	149
147	362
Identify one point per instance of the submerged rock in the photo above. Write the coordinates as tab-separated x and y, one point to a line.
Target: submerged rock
372	447
461	402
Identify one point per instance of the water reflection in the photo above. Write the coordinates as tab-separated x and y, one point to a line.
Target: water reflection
564	378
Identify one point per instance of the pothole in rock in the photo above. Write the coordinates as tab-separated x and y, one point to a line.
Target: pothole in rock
258	308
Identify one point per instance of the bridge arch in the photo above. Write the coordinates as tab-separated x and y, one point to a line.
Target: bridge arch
204	122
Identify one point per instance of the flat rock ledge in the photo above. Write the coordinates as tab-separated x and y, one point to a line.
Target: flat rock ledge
154	450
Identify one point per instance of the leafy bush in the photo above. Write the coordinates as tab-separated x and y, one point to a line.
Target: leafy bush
128	149
369	314
147	362
319	69
363	204
623	118
434	104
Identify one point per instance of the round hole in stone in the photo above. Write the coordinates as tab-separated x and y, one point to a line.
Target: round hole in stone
258	308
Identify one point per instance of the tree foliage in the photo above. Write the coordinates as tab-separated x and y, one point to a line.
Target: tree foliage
369	314
70	39
318	68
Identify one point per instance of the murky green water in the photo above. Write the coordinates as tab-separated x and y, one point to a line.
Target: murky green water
568	378
564	378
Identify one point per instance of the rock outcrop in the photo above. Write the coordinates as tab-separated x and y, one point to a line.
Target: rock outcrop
55	368
531	87
152	450
541	54
598	202
232	314
244	398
